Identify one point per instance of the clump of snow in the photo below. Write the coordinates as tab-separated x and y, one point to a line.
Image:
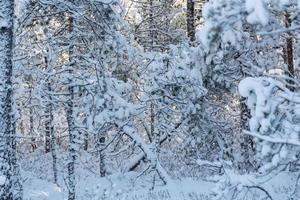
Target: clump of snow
285	2
229	37
4	23
257	12
2	180
258	93
204	35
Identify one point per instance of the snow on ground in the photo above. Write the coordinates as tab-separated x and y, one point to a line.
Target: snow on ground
38	184
280	187
38	189
103	188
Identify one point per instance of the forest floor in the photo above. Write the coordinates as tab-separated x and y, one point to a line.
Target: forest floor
38	184
98	189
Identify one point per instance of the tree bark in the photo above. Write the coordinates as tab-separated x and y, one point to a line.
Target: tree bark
10	187
101	144
86	142
48	119
70	119
288	50
31	126
190	19
52	142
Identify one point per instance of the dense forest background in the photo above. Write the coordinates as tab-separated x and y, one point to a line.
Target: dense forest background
149	99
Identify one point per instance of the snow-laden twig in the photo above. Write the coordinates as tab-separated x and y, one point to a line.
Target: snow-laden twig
273	140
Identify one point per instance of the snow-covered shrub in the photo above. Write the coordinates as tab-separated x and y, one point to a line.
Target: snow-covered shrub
231	44
274	120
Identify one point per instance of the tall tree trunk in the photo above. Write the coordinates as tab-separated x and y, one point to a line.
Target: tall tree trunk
151	48
152	121
70	118
31	127
151	24
10	188
47	132
246	143
190	19
48	119
72	151
50	132
288	49
71	148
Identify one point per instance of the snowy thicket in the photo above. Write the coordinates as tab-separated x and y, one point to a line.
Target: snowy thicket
252	42
147	99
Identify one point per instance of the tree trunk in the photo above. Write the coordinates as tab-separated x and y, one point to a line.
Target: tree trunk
48	120
190	20
72	152
86	142
10	188
70	119
151	25
152	121
50	129
101	144
288	50
31	127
